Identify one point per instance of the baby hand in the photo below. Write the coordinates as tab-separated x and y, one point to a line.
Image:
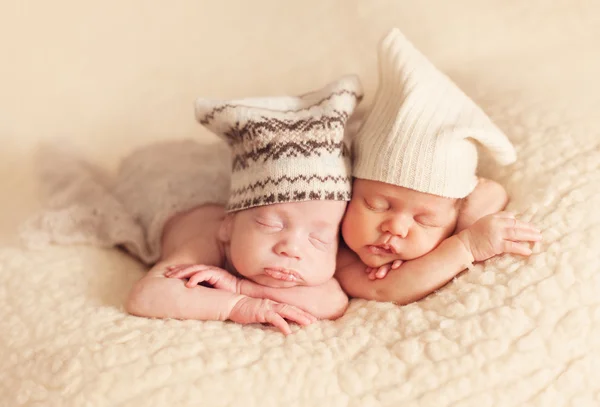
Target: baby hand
382	271
254	310
198	273
499	233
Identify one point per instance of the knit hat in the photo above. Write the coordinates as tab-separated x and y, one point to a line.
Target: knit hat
286	149
420	130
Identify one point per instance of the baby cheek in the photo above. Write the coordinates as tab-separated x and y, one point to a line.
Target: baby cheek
347	232
247	258
355	226
240	261
423	243
321	270
373	262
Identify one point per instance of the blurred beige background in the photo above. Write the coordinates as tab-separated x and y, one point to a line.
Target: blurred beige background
112	75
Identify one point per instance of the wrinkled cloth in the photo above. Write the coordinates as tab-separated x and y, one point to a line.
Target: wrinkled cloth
152	184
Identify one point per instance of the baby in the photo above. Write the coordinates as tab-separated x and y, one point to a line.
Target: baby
279	233
418	211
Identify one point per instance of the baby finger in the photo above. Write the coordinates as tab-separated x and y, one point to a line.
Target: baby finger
523	235
186	271
525	225
527	235
278	322
383	270
175	268
506	215
198	278
294	314
517	248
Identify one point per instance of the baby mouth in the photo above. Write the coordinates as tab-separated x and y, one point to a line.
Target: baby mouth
283	274
381	249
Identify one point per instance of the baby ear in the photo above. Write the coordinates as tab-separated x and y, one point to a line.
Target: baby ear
226	228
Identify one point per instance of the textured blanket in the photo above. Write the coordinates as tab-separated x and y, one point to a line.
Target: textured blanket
113	76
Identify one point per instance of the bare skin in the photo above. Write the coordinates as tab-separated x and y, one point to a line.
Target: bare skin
402	244
195	247
198	245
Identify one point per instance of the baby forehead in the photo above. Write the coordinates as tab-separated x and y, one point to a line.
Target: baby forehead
368	189
322	213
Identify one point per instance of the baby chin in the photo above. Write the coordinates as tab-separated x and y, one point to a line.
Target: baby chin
374	258
268	281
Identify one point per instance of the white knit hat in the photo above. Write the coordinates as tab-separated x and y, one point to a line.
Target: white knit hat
286	149
419	132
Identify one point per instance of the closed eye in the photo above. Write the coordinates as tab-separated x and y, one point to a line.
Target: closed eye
321	243
377	206
423	221
269	224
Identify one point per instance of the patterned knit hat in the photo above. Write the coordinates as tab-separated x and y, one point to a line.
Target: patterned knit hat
420	130
286	149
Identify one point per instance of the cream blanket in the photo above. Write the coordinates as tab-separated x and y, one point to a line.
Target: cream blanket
117	75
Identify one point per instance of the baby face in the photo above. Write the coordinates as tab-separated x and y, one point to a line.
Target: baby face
386	222
285	245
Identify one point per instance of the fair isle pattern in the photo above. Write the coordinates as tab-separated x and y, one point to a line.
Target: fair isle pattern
291	196
320	128
286	149
275	182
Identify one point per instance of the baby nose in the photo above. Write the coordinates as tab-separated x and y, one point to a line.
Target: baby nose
397	225
287	248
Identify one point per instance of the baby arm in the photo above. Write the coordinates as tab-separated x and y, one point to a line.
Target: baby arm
183	241
487	198
192	238
325	301
412	280
156	296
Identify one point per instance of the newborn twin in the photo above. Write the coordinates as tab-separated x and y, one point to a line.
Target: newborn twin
417	214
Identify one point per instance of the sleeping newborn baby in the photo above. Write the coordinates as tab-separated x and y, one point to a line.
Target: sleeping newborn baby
418	211
270	254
